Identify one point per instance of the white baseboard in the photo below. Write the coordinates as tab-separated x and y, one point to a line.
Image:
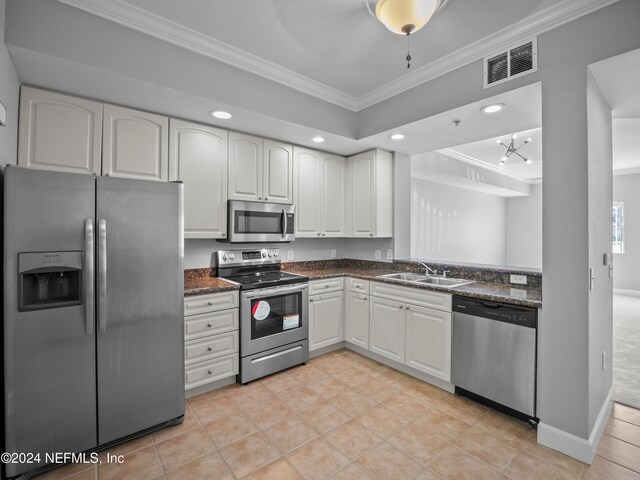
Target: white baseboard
580	448
628	293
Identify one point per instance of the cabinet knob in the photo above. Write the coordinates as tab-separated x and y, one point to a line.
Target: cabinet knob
266	198
327	286
371	234
259	198
209	325
210	372
365	299
209	303
408	308
224	235
324	235
210	349
311	299
401	307
318	234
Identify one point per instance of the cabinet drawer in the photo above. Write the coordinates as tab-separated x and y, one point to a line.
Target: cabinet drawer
211	347
210	303
358	285
202	373
197	326
415	296
327	285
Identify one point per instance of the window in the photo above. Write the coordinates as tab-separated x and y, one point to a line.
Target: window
618	227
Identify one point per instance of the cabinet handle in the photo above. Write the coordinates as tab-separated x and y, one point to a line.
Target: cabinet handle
311	299
323	234
209	325
209	303
327	286
210	349
408	308
365	299
401	307
210	372
266	198
371	234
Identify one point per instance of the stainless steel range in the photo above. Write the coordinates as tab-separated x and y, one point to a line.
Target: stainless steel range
274	328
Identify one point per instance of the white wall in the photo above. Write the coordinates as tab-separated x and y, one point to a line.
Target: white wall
452	223
626	275
524	229
9	96
199	253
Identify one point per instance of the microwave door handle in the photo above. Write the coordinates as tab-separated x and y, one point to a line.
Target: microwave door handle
284	223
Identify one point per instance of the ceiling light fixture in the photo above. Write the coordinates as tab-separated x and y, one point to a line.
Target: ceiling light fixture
221	115
318	139
397	136
496	107
511	149
405	17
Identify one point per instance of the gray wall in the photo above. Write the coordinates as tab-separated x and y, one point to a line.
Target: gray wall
626	275
198	253
524	229
456	224
9	96
600	197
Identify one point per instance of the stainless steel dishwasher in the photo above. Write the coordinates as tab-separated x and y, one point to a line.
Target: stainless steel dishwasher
494	354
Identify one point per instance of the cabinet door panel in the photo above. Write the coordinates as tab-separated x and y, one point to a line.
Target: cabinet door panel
358	321
307	192
245	167
199	160
387	328
333	196
135	144
278	172
429	341
326	319
362	194
59	132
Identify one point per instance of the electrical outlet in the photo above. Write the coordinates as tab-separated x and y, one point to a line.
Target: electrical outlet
604	360
518	279
378	254
389	254
289	254
333	253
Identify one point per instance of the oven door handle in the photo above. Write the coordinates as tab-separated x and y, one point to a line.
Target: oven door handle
284	223
264	292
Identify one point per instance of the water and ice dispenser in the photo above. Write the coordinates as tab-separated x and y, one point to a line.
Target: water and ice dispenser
49	280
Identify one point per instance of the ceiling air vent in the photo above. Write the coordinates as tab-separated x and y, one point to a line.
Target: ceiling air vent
512	63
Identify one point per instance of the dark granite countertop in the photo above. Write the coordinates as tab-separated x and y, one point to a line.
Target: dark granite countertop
497	292
199	281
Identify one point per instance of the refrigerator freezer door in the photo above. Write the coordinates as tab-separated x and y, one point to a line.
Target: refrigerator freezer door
49	353
140	305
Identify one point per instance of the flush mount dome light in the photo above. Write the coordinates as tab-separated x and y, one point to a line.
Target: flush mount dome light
397	136
496	107
318	139
221	114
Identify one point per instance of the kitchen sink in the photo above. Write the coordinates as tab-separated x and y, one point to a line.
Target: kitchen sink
427	279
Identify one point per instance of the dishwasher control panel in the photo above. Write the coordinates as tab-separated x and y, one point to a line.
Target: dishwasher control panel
501	312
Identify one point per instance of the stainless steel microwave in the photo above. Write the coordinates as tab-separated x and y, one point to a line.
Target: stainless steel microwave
251	222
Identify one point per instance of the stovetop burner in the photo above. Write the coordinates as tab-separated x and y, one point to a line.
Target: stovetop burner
257	268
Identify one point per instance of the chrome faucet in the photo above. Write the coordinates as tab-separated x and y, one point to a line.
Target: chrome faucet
428	270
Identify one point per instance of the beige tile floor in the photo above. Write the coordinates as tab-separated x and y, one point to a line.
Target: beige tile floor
343	416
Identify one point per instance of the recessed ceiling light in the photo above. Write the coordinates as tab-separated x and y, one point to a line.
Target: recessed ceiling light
496	107
221	115
397	136
318	139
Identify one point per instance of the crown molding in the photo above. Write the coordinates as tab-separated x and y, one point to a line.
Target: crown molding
519	32
156	26
120	12
449	152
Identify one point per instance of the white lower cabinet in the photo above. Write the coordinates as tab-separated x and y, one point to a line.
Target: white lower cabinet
428	346
387	328
357	331
326	318
212	338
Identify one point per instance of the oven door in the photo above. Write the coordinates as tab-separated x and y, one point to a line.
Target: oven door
271	317
260	222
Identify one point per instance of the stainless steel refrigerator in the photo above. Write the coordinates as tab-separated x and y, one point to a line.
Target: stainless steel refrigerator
93	311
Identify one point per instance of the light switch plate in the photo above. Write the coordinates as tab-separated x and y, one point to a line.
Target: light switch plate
389	254
333	253
518	279
290	255
378	254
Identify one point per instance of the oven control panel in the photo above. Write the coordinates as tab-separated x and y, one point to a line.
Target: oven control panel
258	256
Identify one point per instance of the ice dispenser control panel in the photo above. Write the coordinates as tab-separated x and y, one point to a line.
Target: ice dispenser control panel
49	280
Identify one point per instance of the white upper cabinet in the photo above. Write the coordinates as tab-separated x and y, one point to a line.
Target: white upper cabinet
278	172
135	144
198	158
59	132
319	193
245	167
260	170
370	194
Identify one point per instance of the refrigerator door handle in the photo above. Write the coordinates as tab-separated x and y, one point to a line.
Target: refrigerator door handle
102	275
89	279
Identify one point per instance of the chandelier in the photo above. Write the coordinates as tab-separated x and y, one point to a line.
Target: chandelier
405	17
512	149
